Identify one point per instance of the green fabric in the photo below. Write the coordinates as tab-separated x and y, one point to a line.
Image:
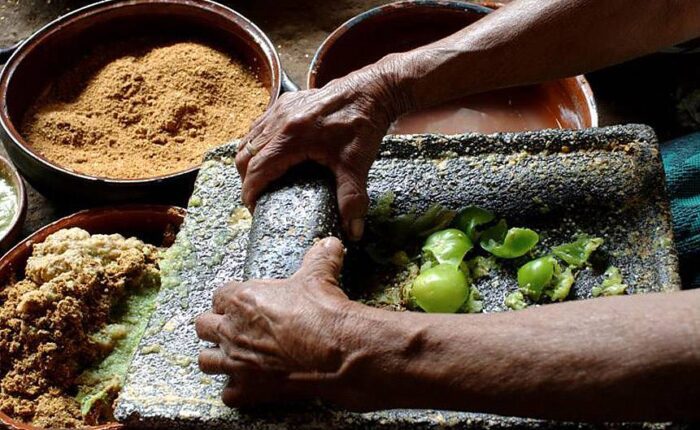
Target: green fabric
681	159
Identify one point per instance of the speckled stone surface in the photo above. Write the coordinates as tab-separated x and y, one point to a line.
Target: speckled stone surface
287	220
604	182
607	182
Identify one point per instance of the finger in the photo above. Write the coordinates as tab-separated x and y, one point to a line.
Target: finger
207	326
255	358
245	154
266	134
352	201
255	130
324	259
232	395
264	352
249	147
268	165
213	361
253	388
219	298
222	302
257	125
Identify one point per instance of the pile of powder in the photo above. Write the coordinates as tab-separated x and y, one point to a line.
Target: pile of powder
49	319
140	109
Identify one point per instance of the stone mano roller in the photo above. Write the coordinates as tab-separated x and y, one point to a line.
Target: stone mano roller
287	220
607	182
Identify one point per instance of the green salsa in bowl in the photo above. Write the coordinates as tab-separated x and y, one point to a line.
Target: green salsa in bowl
13	204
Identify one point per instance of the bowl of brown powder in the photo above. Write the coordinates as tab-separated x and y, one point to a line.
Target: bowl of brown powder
118	101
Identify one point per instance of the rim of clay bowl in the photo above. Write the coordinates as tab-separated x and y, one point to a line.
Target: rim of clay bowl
253	31
587	92
174	214
329	42
484	9
8	170
10	424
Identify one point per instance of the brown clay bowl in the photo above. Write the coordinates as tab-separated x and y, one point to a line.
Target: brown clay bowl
8	171
152	223
404	25
59	44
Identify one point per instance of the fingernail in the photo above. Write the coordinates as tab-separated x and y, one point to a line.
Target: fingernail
357	227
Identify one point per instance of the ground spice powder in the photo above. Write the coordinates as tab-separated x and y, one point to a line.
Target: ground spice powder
49	320
143	109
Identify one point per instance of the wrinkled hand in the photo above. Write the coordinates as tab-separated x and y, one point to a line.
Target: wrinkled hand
277	339
339	126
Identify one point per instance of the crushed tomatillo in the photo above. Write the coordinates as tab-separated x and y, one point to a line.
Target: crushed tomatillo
505	242
447	246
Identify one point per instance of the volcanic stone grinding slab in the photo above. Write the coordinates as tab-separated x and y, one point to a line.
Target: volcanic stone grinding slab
607	182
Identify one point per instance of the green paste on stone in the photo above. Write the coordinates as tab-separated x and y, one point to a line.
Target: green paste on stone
99	385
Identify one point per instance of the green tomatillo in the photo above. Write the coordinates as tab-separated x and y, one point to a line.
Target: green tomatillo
516	301
471	217
577	253
447	246
503	242
612	284
440	289
562	281
535	276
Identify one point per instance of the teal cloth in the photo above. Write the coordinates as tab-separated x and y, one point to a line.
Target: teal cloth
681	158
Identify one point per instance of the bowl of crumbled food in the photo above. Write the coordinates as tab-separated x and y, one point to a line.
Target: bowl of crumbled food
121	99
75	298
13	204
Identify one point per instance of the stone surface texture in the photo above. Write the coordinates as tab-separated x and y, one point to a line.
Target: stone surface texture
286	222
607	182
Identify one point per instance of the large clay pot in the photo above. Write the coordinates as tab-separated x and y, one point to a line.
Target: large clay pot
401	26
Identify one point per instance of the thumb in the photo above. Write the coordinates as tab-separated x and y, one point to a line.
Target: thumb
352	202
324	260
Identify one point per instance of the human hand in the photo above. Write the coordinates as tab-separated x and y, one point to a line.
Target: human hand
339	126
278	339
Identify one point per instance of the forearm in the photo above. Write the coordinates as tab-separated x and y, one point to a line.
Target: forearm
531	41
628	358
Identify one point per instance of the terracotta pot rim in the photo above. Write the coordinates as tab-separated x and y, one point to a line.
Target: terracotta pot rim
341	30
252	31
330	41
591	104
93	213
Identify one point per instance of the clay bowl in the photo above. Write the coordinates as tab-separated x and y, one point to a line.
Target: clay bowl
405	25
8	171
59	44
151	223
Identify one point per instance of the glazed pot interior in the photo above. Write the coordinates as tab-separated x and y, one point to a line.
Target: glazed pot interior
403	26
384	30
60	45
